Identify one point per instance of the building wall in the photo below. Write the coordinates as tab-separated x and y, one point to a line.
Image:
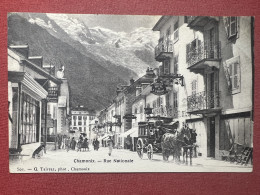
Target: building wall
240	47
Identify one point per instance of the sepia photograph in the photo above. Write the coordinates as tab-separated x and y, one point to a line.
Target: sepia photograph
93	93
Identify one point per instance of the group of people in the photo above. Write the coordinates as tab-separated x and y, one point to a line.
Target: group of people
65	142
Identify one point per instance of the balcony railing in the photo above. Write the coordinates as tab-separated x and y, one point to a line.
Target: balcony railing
163	46
203	101
53	92
205	51
165	111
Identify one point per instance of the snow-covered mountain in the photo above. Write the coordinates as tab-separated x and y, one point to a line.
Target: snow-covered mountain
96	59
131	50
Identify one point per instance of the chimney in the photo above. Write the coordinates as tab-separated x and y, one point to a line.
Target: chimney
132	81
149	71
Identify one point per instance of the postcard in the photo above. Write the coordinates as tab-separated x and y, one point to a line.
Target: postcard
91	93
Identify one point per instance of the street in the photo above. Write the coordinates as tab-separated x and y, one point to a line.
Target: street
120	161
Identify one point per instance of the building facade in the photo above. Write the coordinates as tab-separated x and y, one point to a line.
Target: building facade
81	119
214	56
33	94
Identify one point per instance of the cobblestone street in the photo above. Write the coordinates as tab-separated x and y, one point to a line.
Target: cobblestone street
119	161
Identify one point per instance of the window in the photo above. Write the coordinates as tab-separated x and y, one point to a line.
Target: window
176	31
79	118
232	71
80	123
80	129
30	116
154	104
194	87
135	110
54	112
166	66
49	109
161	70
176	64
167	98
231	26
74	118
175	100
159	101
141	109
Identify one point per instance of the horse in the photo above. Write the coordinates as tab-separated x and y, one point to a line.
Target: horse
171	143
189	140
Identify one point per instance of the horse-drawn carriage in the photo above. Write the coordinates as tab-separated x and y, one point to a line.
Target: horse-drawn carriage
83	143
161	136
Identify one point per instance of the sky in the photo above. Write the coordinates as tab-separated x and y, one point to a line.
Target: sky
119	23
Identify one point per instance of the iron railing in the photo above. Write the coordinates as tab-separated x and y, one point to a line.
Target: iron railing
163	46
166	111
204	50
203	101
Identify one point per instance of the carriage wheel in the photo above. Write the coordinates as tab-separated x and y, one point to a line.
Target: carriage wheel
140	148
150	151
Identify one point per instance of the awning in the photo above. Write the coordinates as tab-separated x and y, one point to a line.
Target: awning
30	86
135	133
125	134
103	137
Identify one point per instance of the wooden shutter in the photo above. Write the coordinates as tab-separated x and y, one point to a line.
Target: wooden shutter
227	74
233	26
226	24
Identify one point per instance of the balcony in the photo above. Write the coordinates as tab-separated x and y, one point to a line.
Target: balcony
198	22
53	92
205	55
164	50
165	111
204	103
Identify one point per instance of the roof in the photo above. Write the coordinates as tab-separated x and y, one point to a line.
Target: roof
160	23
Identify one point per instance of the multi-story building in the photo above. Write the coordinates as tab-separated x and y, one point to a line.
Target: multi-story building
211	57
224	57
81	119
33	97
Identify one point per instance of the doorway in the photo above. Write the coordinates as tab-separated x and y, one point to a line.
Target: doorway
212	136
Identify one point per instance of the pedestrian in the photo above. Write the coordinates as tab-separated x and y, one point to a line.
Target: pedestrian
59	141
110	145
97	144
67	143
73	143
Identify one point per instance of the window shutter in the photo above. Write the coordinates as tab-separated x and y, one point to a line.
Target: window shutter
233	26
226	24
228	76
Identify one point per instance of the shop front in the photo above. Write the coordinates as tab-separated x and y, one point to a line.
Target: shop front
25	100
